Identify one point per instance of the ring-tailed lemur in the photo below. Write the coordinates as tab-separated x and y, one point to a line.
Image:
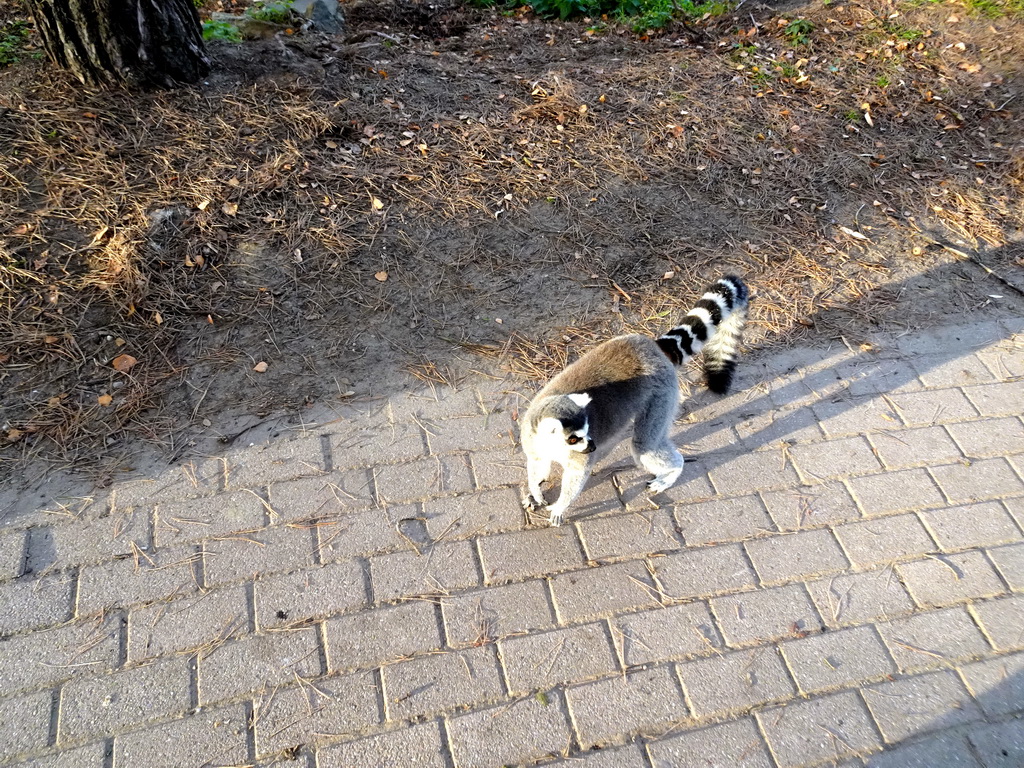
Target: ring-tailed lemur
629	378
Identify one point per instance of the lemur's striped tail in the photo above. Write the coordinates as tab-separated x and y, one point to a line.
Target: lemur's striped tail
715	325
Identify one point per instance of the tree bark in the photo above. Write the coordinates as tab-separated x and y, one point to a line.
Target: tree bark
143	42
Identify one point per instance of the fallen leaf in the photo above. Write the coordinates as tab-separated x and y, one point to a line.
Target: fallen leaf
203	205
853	233
13	435
332	144
53	402
50	339
230	208
260	367
124	363
668	275
381	276
119	342
378	205
233	182
104	400
158	318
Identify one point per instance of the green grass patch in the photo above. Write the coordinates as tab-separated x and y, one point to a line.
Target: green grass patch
13	37
279	12
222	31
996	9
641	15
798	31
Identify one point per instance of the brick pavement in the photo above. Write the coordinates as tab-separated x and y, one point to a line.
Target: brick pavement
838	579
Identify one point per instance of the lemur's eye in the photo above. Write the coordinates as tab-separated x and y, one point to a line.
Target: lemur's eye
572	440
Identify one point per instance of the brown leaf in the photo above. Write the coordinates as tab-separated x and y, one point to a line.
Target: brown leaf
104	400
381	276
124	363
50	339
260	367
13	435
230	208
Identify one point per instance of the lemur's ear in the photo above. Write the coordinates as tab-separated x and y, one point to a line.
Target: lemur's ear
582	399
549	426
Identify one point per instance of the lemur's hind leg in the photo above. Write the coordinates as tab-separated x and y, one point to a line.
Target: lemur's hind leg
652	448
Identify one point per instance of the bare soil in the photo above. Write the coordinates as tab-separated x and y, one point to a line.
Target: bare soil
446	190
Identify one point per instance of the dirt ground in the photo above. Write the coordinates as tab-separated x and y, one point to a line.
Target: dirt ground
445	190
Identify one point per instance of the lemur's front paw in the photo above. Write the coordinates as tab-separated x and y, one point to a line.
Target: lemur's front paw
657	485
555	517
530	504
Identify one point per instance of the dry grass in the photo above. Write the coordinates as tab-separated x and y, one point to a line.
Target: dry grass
179	226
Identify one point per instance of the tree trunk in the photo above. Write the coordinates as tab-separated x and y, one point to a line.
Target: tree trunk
144	42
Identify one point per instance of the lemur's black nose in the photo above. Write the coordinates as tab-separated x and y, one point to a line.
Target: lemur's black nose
591	447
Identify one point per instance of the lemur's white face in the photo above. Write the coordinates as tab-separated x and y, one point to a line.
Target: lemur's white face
562	438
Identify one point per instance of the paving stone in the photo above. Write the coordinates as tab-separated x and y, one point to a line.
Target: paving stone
837	659
89	540
808	506
186	522
940	342
494	468
735	681
33	603
596	592
25	723
147	577
257	662
923	447
644	701
819	730
90	756
704	572
1003	621
628	756
287	718
997	683
945	749
256	466
441	682
895	492
848	415
193	479
722	520
834	458
865	376
673	632
423	478
750	472
371	638
270	550
309	593
470	433
999	745
938	372
974	525
1016	506
341	537
730	745
707	436
950	578
793	556
932	639
528	553
474	617
855	598
931	702
46	658
937	406
323	496
12	554
435	570
1010	563
635	533
91	707
209	737
458	517
989	437
768	429
765	615
187	623
984	479
884	540
1002	399
540	660
417	745
368	443
512	734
